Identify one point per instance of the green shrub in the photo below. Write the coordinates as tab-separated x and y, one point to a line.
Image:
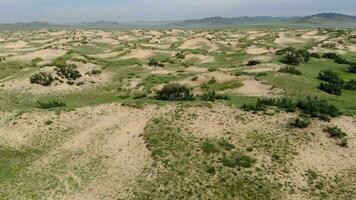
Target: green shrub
67	71
329	76
330	55
180	55
42	78
263	103
318	108
352	68
209	147
153	62
302	121
212	96
253	62
174	92
238	160
290	70
334	83
95	72
292	56
315	55
334	88
49	105
336	132
350	85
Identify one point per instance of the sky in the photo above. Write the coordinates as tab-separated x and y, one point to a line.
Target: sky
73	11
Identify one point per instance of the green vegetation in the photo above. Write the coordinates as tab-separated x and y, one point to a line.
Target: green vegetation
336	132
292	56
49	105
290	70
302	121
185	160
174	92
42	78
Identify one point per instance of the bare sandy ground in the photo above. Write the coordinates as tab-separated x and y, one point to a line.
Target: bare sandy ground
252	87
283	39
254	50
199	43
199	58
44	54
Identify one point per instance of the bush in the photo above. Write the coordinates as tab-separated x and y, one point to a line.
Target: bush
253	62
49	105
292	56
350	85
282	103
67	71
174	92
336	132
318	108
334	88
329	76
330	55
212	96
352	68
334	83
302	121
262	104
315	55
42	78
238	160
341	60
290	70
153	62
180	55
336	57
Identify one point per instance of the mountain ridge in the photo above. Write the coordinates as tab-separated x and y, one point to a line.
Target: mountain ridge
320	20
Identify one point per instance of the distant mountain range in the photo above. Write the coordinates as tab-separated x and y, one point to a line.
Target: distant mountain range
322	20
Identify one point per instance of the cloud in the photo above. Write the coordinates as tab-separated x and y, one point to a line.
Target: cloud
129	10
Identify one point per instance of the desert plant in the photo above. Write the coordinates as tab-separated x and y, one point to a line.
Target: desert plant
238	160
253	62
352	68
329	76
350	85
336	132
302	121
67	71
153	62
315	55
318	108
334	88
330	55
212	96
42	78
292	56
290	70
50	104
174	92
180	55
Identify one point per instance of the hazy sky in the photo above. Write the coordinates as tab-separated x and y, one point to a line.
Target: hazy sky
132	10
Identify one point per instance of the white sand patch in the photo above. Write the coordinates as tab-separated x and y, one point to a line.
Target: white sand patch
15	45
199	58
283	39
44	54
157	46
139	54
199	43
254	50
196	69
252	87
